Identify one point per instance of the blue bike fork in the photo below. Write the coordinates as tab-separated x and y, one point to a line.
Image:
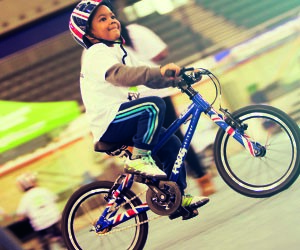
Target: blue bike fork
254	148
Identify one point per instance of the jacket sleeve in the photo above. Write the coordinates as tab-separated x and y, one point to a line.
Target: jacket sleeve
126	76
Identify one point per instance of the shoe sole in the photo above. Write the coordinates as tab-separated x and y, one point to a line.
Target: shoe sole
199	203
188	212
161	177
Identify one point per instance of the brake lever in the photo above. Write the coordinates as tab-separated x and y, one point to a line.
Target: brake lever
185	70
198	76
189	79
171	73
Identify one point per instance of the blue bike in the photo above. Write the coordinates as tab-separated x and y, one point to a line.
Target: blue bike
256	151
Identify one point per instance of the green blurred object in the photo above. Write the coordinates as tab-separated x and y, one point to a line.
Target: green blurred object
252	88
21	122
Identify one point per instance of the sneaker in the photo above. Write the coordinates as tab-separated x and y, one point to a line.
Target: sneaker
144	166
194	201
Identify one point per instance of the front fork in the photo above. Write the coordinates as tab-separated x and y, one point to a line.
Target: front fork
236	129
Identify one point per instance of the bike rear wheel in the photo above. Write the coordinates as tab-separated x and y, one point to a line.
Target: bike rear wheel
84	208
260	177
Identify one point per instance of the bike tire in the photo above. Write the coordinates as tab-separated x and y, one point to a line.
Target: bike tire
84	208
260	177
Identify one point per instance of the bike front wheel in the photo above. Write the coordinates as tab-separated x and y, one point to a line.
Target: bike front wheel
84	208
260	177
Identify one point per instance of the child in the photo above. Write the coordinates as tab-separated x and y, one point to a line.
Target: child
39	206
108	80
145	44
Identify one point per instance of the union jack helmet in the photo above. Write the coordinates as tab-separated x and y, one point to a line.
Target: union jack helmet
26	181
78	24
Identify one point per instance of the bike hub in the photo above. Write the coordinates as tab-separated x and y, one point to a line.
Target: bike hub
261	152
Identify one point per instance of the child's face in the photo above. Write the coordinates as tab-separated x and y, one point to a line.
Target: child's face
105	25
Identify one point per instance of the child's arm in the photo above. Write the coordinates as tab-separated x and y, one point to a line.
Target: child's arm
152	77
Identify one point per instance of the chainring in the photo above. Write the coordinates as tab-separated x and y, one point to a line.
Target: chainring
169	203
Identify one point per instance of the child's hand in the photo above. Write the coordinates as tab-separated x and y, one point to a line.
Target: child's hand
170	66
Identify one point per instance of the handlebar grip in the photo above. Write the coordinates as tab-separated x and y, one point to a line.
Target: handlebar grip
170	73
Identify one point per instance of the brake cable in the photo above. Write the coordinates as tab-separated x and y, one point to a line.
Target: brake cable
217	85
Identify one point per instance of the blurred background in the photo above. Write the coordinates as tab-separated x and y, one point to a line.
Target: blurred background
252	46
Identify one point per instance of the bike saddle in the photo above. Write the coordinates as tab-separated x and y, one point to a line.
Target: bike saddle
101	146
112	149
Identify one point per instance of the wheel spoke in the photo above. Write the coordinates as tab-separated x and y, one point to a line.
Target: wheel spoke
267	175
83	210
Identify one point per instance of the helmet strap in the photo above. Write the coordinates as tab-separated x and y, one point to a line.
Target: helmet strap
108	43
125	53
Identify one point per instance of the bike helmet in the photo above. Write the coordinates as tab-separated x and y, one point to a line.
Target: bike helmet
80	20
26	181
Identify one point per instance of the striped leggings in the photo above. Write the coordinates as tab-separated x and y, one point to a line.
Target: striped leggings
139	123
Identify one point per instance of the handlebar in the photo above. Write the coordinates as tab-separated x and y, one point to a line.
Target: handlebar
189	76
183	78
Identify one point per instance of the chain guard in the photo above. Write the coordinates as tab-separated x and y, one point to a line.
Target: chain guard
164	205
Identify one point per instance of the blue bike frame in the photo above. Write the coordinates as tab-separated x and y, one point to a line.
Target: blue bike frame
196	108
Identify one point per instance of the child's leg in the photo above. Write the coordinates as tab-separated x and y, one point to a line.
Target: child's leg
168	155
138	123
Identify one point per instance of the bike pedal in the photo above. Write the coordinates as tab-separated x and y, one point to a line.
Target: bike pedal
192	214
181	211
185	212
199	204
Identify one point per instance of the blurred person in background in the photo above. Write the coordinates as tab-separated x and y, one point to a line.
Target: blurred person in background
8	241
149	47
38	204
